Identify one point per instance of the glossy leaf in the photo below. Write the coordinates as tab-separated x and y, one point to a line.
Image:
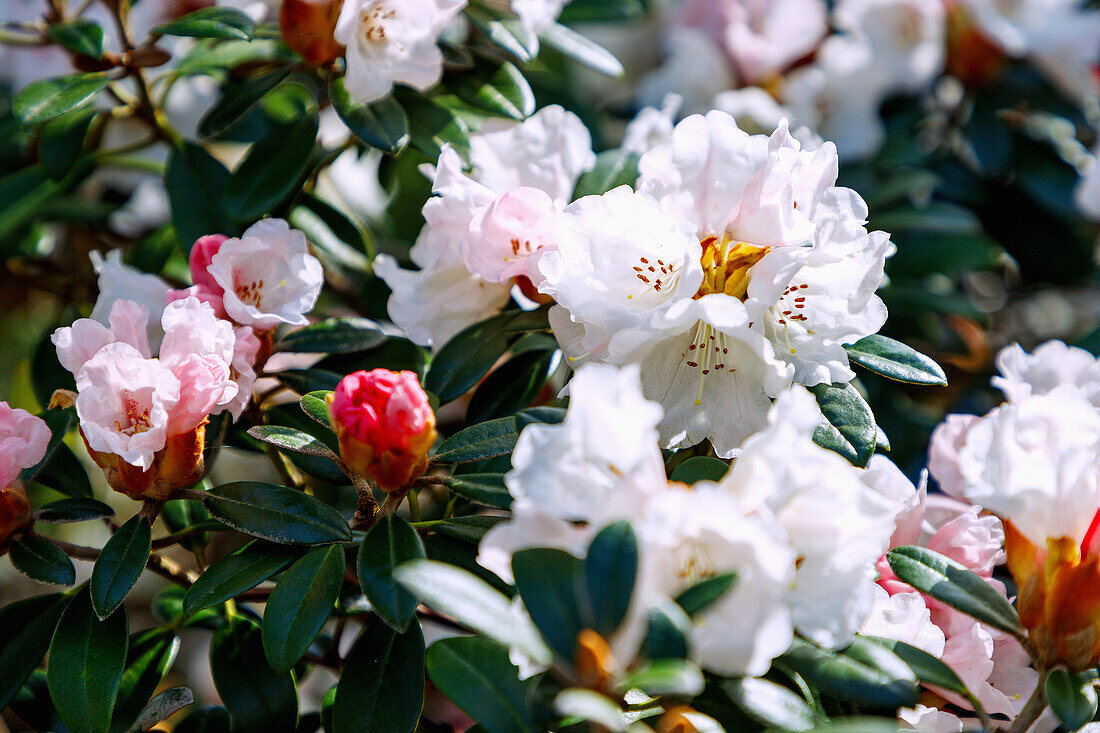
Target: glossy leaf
62	142
1072	697
388	543
65	473
431	125
78	509
276	513
206	720
613	168
769	704
195	182
481	488
697	598
382	686
928	669
214	22
848	425
667	632
237	572
865	673
600	711
894	360
46	99
258	697
581	49
477	675
676	677
239	99
290	439
42	561
470	529
148	659
610	570
271	170
314	405
478	442
502	90
508	33
80	36
120	564
162	707
467	357
546	580
700	468
300	605
340	335
511	387
382	124
26	628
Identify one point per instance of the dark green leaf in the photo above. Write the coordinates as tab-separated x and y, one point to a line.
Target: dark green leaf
387	544
304	381
927	668
598	710
206	720
468	357
546	580
865	673
667	632
65	473
276	513
216	22
333	233
239	99
80	36
502	90
477	675
696	599
315	406
601	11
700	468
508	33
120	564
582	50
270	171
26	628
382	686
300	605
381	124
770	704
676	677
478	442
149	658
26	193
258	697
195	182
340	335
42	561
951	583
151	253
895	360
62	141
1072	697
291	439
482	488
237	572
613	168
431	125
46	99
511	387
848	425
610	569
59	422
470	529
323	465
87	659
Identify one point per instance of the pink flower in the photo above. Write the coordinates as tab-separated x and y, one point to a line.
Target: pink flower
943	455
213	298
202	252
508	232
78	343
23	441
385	425
246	346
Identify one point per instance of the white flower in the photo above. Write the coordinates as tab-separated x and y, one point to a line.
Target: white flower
1050	366
907	37
118	281
1088	191
694	69
652	126
392	41
903	617
469	251
246	345
754	109
147	208
268	276
78	343
538	15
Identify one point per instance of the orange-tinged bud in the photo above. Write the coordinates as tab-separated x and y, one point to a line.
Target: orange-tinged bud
1059	596
676	720
595	662
385	426
971	57
307	27
178	465
15	514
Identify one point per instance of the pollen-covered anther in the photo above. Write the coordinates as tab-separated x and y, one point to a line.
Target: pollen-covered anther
727	266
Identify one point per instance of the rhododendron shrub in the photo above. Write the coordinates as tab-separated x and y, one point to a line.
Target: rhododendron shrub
400	366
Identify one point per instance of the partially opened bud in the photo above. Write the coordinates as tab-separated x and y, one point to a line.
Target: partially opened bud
385	426
23	442
307	27
178	465
15	514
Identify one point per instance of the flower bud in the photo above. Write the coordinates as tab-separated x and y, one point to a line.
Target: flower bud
307	27
15	514
178	465
384	424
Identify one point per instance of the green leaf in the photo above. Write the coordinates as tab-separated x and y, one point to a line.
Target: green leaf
62	141
894	360
382	685
473	603
610	570
26	628
468	356
927	668
478	442
300	605
276	513
42	561
388	543
317	462
305	381
341	335
315	406
512	387
579	704
46	99
769	704
667	632
382	124
258	697
1072	697
951	583
119	565
580	49
546	580
613	168
237	572
290	439
217	22
675	677
501	90
469	529
149	658
333	233
59	422
271	170
477	675
195	182
848	425
206	720
162	707
87	659
697	598
481	488
80	36
508	33
602	11
865	673
700	468
65	473
239	99
431	125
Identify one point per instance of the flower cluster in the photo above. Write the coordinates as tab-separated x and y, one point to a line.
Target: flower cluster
23	442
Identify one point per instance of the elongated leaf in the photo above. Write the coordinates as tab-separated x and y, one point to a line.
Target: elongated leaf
927	668
382	124
239	99
667	632
42	561
162	707
1072	697
511	387
195	182
237	572
581	49
258	697
894	360
482	488
73	510
546	580
502	90
119	565
341	335
469	529
769	704
149	658
700	468
698	598
478	442
270	170
276	513
865	673
46	99
508	33
26	628
216	22
610	569
677	677
382	685
431	125
315	406
87	658
290	439
613	168
300	605
949	582
848	425
577	703
477	675
206	720
62	142
473	603
82	37
65	473
468	357
390	542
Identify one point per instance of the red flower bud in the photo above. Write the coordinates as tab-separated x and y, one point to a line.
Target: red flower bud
15	514
307	27
385	426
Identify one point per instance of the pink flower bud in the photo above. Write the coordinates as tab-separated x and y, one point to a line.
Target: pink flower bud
15	514
202	251
385	426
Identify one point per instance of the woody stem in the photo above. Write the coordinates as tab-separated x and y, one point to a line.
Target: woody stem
1033	708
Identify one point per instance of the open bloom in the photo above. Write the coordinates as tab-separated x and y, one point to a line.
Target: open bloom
23	441
392	41
906	38
119	281
384	424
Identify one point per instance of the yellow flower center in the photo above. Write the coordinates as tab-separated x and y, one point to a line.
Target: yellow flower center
726	266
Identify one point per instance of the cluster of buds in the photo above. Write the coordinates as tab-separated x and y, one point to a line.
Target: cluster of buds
385	426
23	442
